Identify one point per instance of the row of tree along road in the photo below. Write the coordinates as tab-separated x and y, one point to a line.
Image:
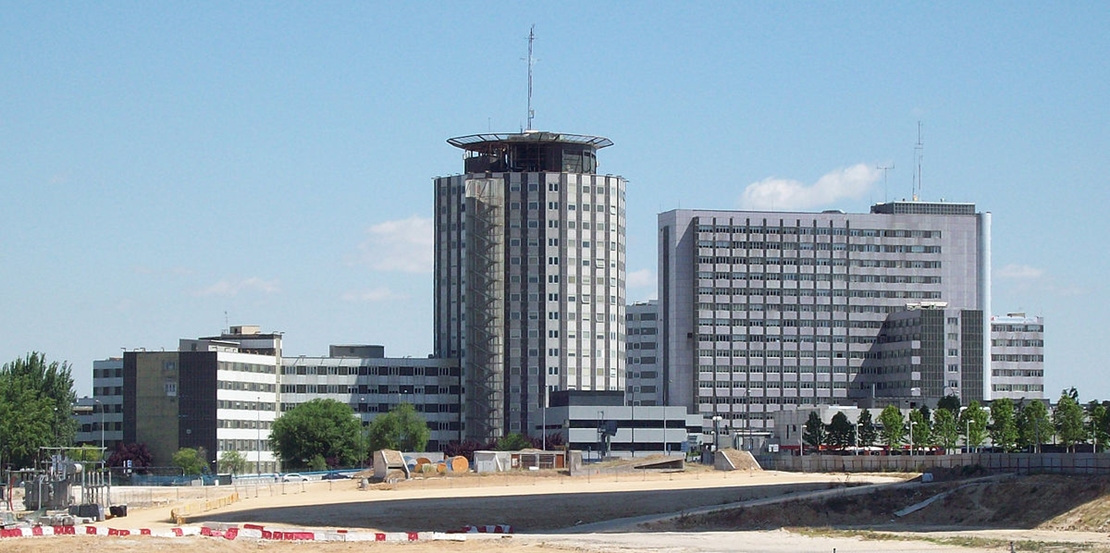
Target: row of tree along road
1009	425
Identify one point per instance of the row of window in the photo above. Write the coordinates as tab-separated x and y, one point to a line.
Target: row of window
819	292
323	370
236	423
385	389
1027	373
819	246
245	386
1018	358
108	427
1018	343
774	353
1017	387
1016	328
816	230
244	405
107	373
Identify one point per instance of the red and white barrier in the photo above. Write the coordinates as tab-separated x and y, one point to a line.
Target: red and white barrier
248	531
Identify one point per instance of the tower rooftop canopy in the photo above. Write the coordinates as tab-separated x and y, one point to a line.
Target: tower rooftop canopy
530	151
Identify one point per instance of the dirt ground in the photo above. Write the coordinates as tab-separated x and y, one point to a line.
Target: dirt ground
1034	502
546	509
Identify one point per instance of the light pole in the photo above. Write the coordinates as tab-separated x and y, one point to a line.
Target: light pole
102	452
910	438
544	432
258	437
967	437
716	434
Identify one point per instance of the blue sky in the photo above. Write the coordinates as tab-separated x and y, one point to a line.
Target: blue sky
162	165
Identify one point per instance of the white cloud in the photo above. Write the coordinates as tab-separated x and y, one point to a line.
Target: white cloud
227	287
641	283
641	278
404	245
372	295
1020	272
785	194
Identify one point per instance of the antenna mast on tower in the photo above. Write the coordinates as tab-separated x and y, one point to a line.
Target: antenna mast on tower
884	169
918	153
531	61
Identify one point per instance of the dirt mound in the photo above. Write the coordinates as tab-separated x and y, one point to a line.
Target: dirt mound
734	459
1038	501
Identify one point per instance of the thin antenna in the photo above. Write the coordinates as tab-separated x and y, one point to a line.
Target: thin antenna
884	169
531	62
227	323
919	154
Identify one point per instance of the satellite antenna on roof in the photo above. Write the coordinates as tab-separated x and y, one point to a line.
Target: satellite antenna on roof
531	62
918	154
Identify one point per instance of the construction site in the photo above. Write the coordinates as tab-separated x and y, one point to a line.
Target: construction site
653	504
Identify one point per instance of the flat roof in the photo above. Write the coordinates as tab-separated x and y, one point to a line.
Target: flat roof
480	142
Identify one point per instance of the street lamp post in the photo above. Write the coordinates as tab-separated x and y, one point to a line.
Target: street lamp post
716	434
102	452
911	438
544	431
967	437
258	437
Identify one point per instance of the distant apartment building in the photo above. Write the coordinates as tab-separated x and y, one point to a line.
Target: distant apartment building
644	384
100	418
371	383
1017	357
769	311
529	275
219	393
224	392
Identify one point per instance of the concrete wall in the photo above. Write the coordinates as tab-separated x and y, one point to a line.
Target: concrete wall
1063	463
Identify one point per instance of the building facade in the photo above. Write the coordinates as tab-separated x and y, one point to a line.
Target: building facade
766	311
371	383
644	383
529	275
923	353
100	419
1017	357
601	425
219	393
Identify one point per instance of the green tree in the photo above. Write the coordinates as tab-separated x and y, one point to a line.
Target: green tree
1096	424
815	433
894	426
866	429
514	442
36	408
1067	420
841	433
86	454
950	402
191	461
321	427
973	424
233	462
919	427
1003	428
1033	425
945	429
402	429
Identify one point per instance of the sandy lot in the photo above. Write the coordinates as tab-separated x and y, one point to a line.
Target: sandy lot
549	512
